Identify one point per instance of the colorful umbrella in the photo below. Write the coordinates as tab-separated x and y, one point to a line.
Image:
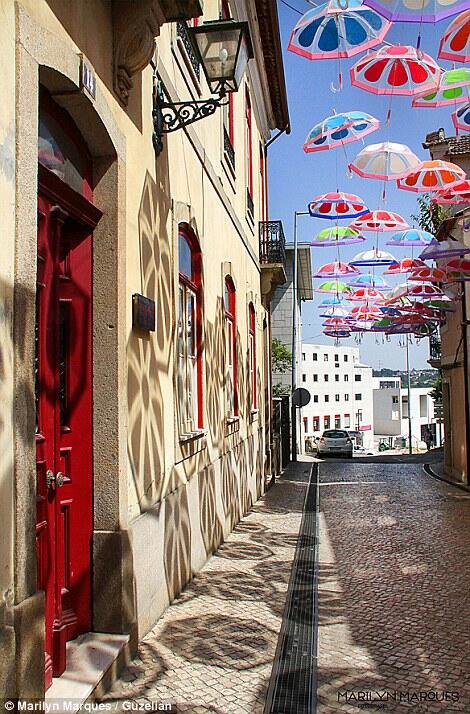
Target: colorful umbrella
425	330
452	89
366	312
334	286
461	117
457	270
409	238
396	69
366	295
337	334
455	44
372	257
334	311
436	250
367	280
337	236
386	161
337	30
340	129
399	291
406	265
457	193
333	301
335	270
336	322
380	221
424	290
433	175
418	10
336	205
428	275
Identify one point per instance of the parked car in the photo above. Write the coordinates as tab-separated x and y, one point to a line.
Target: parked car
361	451
335	442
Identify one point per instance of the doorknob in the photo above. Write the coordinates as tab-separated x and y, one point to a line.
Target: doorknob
58	479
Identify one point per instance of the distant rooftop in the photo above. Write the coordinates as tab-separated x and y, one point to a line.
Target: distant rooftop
455	145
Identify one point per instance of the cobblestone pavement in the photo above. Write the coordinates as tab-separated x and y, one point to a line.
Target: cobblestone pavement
394	589
213	649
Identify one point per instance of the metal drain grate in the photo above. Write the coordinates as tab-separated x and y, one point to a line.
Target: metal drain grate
292	687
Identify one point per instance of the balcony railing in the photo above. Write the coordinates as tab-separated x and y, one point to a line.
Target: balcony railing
434	348
228	149
183	35
272	243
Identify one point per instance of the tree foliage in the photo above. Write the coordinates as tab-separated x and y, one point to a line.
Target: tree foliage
282	357
430	215
436	391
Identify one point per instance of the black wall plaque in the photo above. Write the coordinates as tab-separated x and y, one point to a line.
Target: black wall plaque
143	313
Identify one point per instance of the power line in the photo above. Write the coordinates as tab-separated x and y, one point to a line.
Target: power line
291	7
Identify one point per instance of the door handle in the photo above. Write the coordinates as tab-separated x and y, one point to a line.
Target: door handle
56	480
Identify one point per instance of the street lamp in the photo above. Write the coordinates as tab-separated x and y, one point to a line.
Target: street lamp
223	48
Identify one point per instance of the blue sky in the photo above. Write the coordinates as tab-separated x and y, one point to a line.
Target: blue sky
296	177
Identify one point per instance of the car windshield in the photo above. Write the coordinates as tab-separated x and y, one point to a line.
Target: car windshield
335	434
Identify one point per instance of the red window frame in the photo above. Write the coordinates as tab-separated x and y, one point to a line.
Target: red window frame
326	422
252	339
263	182
194	285
225	10
230	319
316	423
249	143
337	419
347	416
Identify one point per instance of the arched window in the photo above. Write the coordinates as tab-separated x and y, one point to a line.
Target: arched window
252	354
189	331
230	348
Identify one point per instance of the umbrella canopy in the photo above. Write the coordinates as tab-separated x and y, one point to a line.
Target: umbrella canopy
455	44
410	237
461	117
373	257
457	270
366	312
396	69
340	129
399	291
367	280
333	286
425	330
457	193
424	290
366	295
335	270
337	235
380	221
336	29
332	301
406	265
417	10
334	311
337	334
428	275
386	161
452	89
433	175
336	322
444	249
337	204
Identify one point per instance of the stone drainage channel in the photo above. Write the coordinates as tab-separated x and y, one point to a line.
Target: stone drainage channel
292	687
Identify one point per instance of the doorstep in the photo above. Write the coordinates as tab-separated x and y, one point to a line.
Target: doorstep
91	658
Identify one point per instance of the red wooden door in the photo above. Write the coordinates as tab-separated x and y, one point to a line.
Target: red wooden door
64	413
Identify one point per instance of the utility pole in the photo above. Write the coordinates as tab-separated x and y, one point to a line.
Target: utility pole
410	445
294	336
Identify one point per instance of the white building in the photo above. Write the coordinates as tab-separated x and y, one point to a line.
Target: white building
391	413
341	391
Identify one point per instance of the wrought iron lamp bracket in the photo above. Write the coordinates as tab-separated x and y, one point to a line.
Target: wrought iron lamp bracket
171	116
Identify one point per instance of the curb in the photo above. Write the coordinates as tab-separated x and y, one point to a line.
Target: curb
427	468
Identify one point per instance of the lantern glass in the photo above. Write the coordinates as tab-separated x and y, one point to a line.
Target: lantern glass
223	48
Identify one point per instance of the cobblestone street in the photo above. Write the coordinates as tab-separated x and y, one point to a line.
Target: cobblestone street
394	588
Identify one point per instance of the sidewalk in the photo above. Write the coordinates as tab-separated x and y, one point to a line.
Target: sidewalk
213	649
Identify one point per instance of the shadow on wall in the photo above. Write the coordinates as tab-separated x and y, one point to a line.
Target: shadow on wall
214	381
177	542
149	355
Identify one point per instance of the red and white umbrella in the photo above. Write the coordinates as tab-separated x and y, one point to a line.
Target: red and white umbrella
455	45
427	275
455	194
335	270
457	270
433	175
396	69
406	265
386	161
366	312
380	221
424	290
366	295
337	204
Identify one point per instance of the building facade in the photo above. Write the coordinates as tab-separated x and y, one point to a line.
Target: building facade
391	410
341	393
135	328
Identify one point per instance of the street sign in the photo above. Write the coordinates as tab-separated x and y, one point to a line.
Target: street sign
300	397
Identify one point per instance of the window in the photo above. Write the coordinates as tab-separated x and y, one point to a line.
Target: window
315	397
337	421
326	377
325	358
358	397
336	358
252	355
346	377
249	153
326	422
231	404
189	332
336	377
303	356
315	357
304	378
346	397
316	423
357	377
345	358
227	114
327	398
336	397
347	421
315	377
394	400
305	424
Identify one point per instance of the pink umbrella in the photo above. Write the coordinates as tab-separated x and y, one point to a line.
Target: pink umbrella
406	265
461	117
396	69
380	221
455	40
386	161
433	175
455	194
366	295
452	89
418	10
337	204
428	275
335	270
424	290
457	270
366	312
